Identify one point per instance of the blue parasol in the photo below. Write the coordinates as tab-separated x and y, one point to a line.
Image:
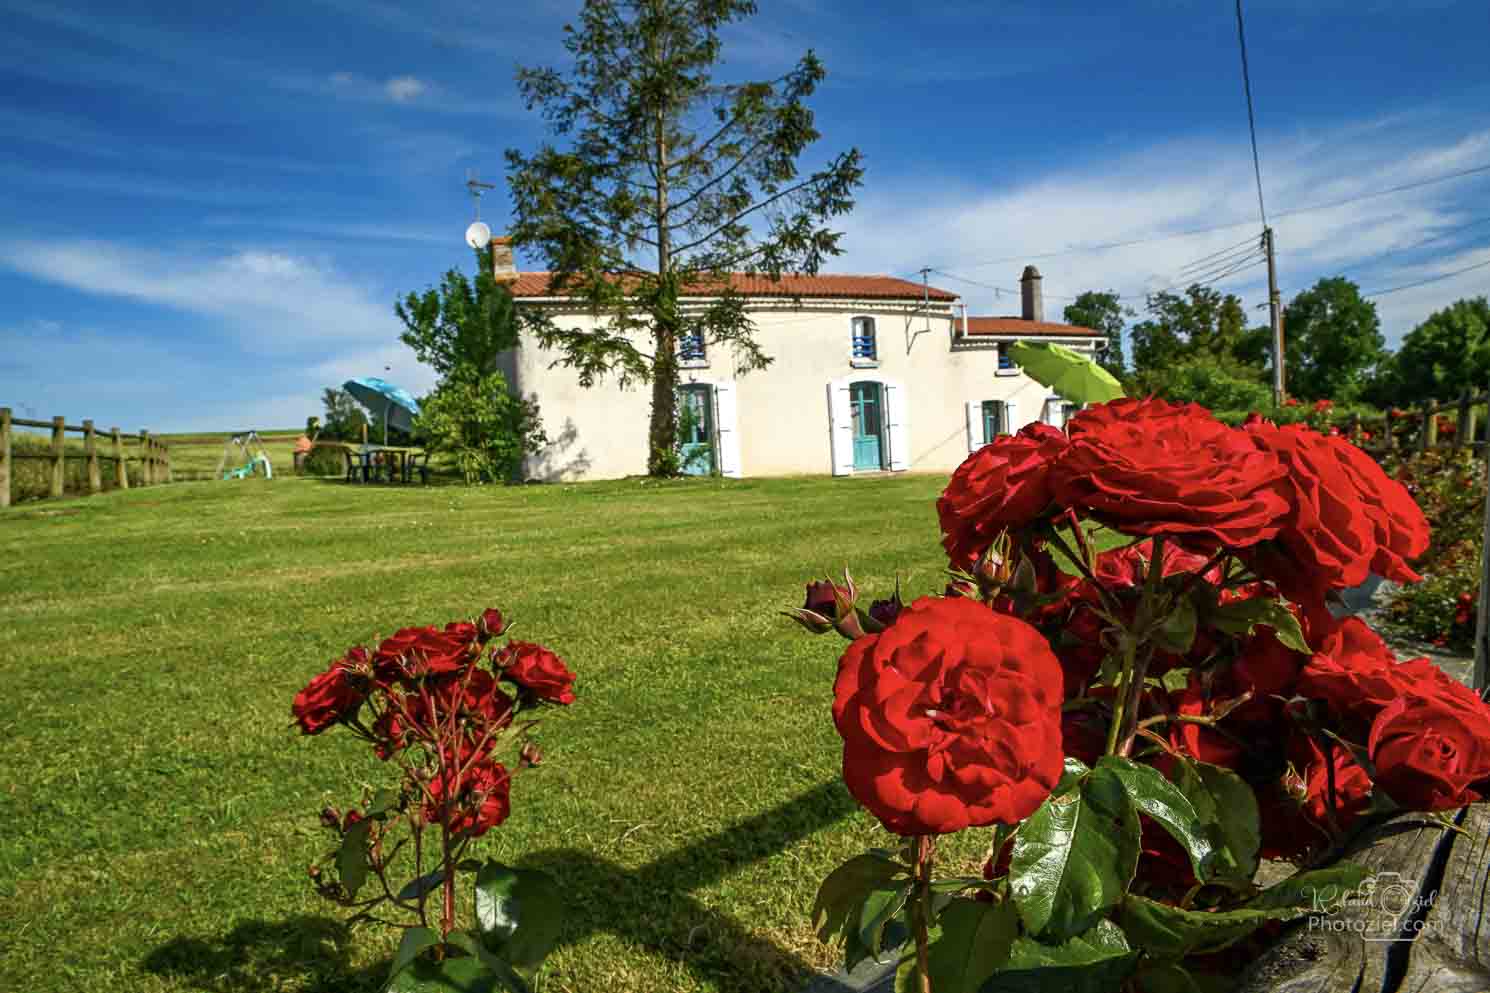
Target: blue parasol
397	406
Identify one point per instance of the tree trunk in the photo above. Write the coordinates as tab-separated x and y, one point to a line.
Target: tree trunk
662	438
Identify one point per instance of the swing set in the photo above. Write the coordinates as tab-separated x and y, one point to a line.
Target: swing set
253	462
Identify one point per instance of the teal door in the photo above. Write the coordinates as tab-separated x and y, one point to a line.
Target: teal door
864	399
696	429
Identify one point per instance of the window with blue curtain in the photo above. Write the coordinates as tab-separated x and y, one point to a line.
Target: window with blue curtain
863	338
1005	361
993	420
691	348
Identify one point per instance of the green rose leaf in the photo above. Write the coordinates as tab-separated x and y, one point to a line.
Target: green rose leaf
1227	807
1243	616
880	906
416	888
1166	977
1316	891
1164	931
490	962
520	913
1175	680
352	866
1161	800
465	974
1098	961
972	940
1177	631
383	801
415	940
842	894
1074	857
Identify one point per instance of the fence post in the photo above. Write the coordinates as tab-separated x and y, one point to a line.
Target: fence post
90	448
165	451
1462	428
59	439
4	456
121	467
1428	436
1389	433
1354	431
147	459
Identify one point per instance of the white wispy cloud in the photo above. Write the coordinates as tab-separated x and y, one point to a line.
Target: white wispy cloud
959	225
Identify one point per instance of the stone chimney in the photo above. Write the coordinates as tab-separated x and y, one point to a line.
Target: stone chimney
503	269
1031	298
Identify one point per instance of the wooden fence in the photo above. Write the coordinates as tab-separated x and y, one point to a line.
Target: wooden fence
153	458
1422	434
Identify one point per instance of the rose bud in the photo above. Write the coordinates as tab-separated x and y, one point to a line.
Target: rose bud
490	623
353	817
884	612
331	818
818	613
529	755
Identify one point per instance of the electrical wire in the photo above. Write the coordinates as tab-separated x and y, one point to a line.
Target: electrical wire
1240	249
1210	272
1241	35
1425	282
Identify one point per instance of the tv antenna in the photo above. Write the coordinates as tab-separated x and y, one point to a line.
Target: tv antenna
478	234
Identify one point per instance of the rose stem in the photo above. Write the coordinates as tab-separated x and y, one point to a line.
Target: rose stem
1125	712
924	849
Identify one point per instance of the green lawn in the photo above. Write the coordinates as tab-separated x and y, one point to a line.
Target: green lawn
158	813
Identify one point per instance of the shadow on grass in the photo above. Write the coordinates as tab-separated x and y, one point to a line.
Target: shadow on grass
261	955
649	907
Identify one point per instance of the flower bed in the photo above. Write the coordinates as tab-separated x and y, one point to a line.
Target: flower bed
1141	731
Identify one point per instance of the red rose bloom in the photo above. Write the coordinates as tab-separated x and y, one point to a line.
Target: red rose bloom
1429	750
1002	486
1147	467
1201	741
479	804
536	669
1355	671
1327	533
328	698
1401	529
413	652
950	718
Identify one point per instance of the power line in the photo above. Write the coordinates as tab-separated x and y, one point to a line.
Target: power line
1414	247
1241	35
1208	272
1196	232
1425	282
1238	249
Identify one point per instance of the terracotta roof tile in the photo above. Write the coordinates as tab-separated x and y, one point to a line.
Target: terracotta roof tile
1020	326
536	284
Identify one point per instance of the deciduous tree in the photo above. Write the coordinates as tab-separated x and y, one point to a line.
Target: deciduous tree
1333	341
1103	311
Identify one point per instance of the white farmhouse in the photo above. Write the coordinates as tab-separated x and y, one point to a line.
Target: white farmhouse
870	374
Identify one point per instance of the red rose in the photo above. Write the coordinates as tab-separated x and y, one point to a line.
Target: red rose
1428	750
1352	785
1002	486
1355	671
1320	406
1128	566
536	669
413	652
333	695
950	718
475	692
1401	529
1147	467
491	623
480	802
1201	741
1327	533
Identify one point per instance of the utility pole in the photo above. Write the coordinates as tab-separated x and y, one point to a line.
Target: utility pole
1275	315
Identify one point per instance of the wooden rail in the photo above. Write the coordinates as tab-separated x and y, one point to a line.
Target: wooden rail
154	458
1466	411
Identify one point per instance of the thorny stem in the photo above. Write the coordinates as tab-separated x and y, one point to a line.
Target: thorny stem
925	848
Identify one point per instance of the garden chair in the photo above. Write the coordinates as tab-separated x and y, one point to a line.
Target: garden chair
417	461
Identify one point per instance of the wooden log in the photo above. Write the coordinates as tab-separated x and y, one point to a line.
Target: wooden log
1428	436
166	454
4	456
1452	949
1366	944
121	465
147	474
90	448
1463	428
59	455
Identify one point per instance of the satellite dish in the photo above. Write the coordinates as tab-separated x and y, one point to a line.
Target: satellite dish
478	235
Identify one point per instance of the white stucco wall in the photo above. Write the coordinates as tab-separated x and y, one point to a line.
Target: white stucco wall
783	411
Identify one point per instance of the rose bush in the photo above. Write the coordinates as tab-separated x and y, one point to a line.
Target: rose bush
432	701
1137	726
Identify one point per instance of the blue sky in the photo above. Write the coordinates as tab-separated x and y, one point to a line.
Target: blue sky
206	211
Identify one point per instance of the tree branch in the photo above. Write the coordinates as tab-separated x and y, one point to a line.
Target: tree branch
809	181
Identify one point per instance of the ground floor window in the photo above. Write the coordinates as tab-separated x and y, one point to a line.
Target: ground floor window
866	401
993	420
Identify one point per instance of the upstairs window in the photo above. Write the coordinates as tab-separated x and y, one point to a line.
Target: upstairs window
1006	362
691	348
863	338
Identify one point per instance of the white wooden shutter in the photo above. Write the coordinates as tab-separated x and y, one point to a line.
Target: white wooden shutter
1011	417
897	430
727	429
840	428
974	425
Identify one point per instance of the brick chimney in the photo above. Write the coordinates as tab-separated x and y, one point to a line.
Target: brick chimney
503	269
1032	300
